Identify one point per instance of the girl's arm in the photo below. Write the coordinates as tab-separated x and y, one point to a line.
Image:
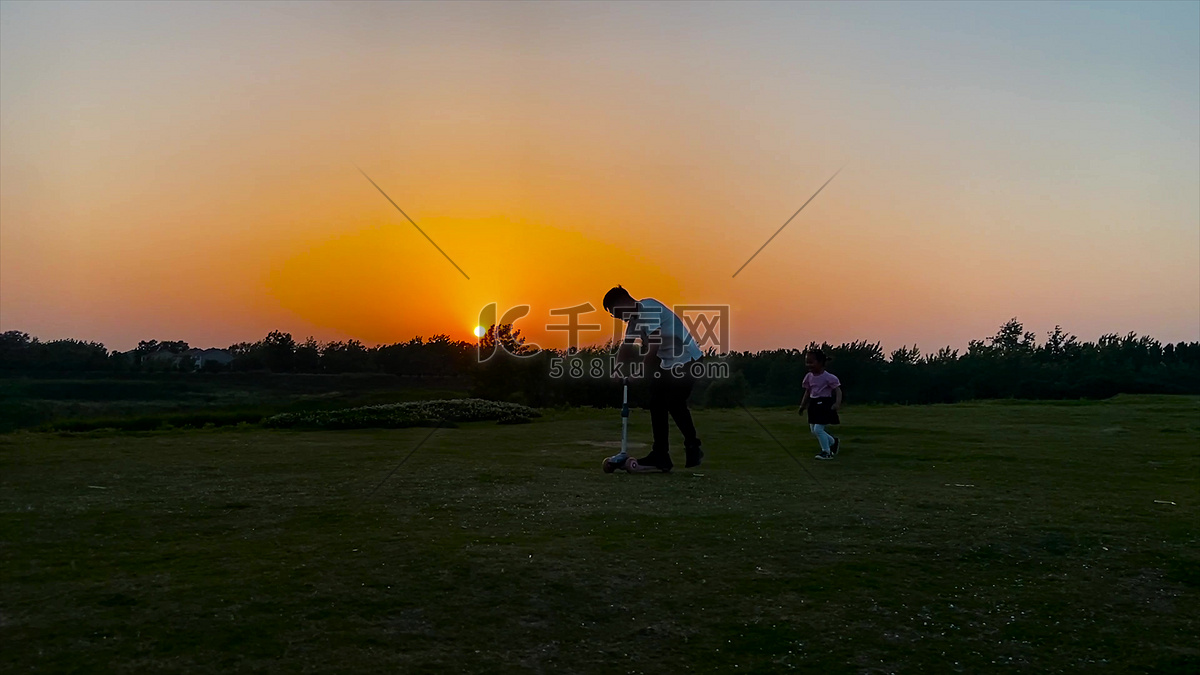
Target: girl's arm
804	401
837	400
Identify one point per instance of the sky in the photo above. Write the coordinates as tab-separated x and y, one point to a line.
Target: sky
191	171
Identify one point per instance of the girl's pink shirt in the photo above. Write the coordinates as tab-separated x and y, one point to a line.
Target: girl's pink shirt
822	385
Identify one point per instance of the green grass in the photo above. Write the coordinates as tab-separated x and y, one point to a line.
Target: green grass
505	549
144	401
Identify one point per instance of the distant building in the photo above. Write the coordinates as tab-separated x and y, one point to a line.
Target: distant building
161	358
202	357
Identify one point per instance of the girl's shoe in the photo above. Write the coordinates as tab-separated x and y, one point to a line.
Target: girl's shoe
837	443
825	455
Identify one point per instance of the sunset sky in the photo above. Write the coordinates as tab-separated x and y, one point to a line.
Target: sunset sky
188	170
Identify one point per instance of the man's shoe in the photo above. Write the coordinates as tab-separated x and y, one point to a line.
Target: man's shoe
694	457
661	461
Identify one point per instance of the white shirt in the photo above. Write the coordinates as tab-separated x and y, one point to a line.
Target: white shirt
676	344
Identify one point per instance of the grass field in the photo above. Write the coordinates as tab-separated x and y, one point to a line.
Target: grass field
147	402
963	538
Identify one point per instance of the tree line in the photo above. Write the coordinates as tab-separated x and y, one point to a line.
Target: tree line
278	352
1012	363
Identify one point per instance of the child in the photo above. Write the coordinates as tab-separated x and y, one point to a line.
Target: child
822	398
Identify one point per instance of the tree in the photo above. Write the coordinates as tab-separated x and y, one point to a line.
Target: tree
1060	347
16	350
944	356
1013	340
278	351
345	357
506	337
246	356
905	356
73	355
308	356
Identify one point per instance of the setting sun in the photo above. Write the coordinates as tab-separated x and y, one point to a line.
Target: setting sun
480	331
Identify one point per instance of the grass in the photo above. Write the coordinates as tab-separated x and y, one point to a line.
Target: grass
436	413
144	401
959	538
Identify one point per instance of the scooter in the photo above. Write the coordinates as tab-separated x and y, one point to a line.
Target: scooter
622	461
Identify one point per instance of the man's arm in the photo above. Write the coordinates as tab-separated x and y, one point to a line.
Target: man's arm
626	353
651	346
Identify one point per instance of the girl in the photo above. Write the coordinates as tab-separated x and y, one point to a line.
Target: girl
822	398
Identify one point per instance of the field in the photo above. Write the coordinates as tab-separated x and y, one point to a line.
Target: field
961	538
145	402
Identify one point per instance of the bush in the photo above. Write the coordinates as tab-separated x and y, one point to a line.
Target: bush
727	393
401	415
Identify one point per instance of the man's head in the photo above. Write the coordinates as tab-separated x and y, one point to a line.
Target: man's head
619	303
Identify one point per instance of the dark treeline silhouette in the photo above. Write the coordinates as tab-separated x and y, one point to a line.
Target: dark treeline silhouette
1010	364
439	356
278	352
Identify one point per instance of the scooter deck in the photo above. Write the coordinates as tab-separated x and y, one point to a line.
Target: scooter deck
631	466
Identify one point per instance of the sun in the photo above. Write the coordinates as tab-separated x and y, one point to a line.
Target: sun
480	331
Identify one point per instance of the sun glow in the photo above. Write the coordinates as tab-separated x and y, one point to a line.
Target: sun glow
480	331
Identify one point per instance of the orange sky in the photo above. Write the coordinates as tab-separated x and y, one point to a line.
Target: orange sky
188	171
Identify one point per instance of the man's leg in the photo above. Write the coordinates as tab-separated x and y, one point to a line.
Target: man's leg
660	405
681	390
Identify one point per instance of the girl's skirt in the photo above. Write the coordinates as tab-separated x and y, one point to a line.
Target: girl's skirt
820	411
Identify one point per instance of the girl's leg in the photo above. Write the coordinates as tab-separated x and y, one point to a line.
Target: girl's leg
823	438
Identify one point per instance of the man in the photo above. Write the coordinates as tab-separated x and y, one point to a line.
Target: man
669	352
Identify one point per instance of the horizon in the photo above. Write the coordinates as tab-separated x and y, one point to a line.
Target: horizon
188	171
887	349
